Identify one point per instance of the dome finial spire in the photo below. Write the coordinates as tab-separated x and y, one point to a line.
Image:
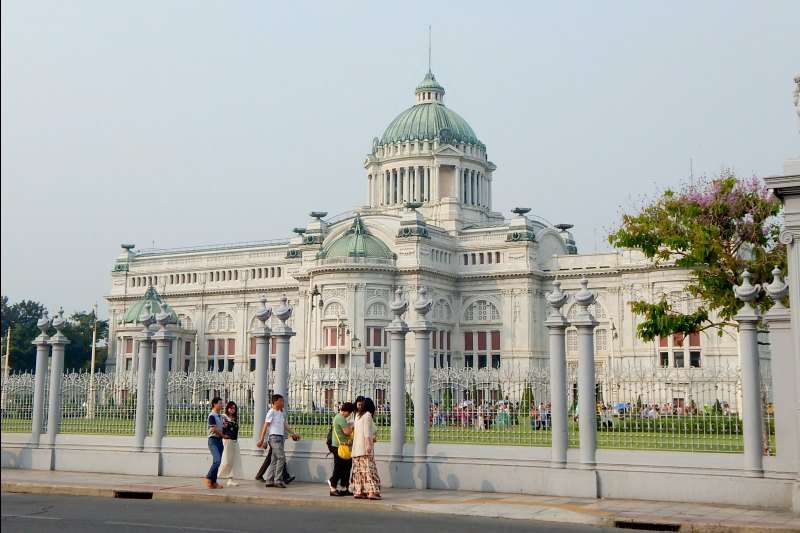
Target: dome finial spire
429	48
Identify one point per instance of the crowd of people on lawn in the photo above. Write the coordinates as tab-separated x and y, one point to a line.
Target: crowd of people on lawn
351	440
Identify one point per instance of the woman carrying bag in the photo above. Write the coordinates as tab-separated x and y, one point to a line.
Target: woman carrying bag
364	481
341	431
231	466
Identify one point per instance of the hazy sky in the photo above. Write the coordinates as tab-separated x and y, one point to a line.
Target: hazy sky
194	122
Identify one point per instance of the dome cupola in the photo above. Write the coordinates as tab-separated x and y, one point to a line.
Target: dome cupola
429	90
357	242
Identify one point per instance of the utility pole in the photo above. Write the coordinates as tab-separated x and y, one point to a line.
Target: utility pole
6	366
91	403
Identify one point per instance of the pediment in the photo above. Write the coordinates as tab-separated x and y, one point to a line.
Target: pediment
448	150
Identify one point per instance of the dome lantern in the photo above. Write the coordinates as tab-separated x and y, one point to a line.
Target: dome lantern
429	90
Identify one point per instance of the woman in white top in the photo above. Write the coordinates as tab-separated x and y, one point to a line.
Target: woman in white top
364	481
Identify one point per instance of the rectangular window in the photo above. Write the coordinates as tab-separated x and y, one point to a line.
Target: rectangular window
128	345
185	365
128	363
678	358
466	259
495	340
663	359
489	258
481	361
480	257
230	365
496	360
252	345
252	364
497	257
473	258
220	365
448	340
663	342
469	361
211	345
468	341
482	341
377	359
694	359
187	348
220	346
210	365
677	340
694	339
272	364
435	337
169	364
231	346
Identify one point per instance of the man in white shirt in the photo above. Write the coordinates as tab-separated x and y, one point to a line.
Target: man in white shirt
274	429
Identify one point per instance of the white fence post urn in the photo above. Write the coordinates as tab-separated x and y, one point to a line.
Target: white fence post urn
748	318
422	404
587	395
59	342
145	337
261	387
283	333
163	338
42	350
397	329
556	326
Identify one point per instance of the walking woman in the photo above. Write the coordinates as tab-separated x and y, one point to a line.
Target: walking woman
231	466
340	447
364	481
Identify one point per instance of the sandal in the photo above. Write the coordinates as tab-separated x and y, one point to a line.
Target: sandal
374	497
360	496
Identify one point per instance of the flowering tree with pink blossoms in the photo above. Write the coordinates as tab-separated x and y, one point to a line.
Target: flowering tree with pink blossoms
716	229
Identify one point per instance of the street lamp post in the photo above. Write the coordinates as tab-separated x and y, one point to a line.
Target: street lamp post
355	344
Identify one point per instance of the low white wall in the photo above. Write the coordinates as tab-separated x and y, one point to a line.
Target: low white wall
663	476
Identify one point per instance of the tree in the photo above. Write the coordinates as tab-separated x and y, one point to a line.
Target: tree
716	229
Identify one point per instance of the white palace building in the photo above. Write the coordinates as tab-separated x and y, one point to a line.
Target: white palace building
431	222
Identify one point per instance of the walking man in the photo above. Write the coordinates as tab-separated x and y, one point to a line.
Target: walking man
275	427
214	443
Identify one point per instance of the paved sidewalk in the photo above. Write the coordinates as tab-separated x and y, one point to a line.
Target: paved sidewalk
690	517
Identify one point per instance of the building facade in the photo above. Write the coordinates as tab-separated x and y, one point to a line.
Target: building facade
429	221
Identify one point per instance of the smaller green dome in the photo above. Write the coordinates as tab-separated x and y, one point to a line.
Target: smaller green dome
429	83
357	242
152	297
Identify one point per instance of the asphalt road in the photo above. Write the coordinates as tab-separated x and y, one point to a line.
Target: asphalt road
63	514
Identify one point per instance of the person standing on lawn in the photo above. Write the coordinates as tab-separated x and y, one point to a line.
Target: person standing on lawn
364	479
275	427
214	443
341	432
231	466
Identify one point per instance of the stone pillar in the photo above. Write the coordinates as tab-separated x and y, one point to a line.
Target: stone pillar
556	326
422	402
397	330
163	338
778	319
58	342
42	350
146	320
587	418
283	333
262	334
748	318
468	186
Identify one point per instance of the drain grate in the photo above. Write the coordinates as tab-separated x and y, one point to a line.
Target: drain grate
646	526
133	494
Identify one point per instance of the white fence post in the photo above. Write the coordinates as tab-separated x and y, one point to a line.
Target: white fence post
587	399
556	325
752	418
42	349
422	338
143	375
283	333
59	342
261	388
398	329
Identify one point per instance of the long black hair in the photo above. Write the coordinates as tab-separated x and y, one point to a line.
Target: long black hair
367	406
228	406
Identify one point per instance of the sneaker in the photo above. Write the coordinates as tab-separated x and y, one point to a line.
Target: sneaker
232	483
330	486
280	485
268	485
288	479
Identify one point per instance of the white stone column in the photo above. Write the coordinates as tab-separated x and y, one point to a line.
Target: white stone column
422	402
283	333
143	376
468	186
587	419
395	187
397	330
748	318
778	319
428	196
58	342
261	389
163	338
42	351
556	326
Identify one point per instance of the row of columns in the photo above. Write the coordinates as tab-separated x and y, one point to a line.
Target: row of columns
475	188
401	185
53	347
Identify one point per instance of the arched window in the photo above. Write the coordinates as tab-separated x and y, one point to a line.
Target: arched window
482	311
185	322
597	311
377	310
442	312
221	322
333	309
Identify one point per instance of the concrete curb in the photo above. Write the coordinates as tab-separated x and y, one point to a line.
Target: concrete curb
175	494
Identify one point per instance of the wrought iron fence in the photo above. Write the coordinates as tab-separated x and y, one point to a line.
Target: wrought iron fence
17	402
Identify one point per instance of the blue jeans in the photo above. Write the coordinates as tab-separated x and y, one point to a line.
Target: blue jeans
275	470
215	447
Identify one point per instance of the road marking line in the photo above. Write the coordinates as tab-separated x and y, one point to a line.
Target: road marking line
163	526
30	517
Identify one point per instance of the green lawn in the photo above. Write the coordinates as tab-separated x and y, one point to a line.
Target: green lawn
516	435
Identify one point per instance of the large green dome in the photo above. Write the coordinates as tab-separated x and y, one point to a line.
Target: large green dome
429	119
